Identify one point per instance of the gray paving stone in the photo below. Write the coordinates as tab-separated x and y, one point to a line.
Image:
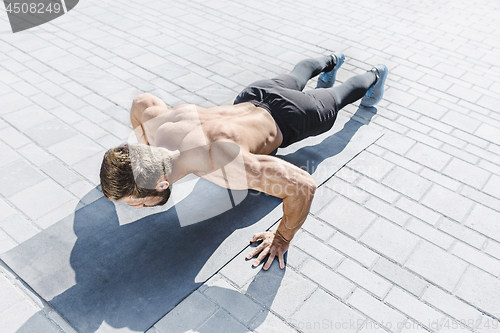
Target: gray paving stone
18	228
463	233
418	210
6	242
481	290
88	166
390	240
478	196
189	314
48	219
399	97
493	249
447	202
75	149
60	173
50	132
477	258
222	321
226	296
317	228
347	216
13	138
40	199
90	129
488	324
370	165
439	178
492	187
8	155
266	322
489	133
407	183
428	156
332	315
467	173
35	154
14	101
403	162
461	121
364	278
429	233
385	210
5	210
318	250
347	175
283	291
378	311
116	128
450	305
14	317
424	138
28	117
322	196
347	190
326	278
39	323
436	265
10	295
17	176
353	249
460	153
414	308
485	220
399	276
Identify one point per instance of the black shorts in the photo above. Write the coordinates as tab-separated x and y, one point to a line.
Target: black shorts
298	114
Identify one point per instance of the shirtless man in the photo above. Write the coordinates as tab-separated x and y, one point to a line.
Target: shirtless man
231	145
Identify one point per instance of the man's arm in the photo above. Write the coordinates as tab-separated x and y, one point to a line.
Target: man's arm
284	180
236	168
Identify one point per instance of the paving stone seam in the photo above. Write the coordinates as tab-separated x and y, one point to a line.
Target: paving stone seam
405	228
264	306
35	299
21	213
384	256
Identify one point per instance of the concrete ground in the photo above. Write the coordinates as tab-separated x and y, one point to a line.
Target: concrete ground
406	237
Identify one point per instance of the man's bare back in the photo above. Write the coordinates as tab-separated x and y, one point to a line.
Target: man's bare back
250	127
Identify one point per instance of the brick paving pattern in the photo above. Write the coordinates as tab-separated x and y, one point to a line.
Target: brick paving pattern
406	235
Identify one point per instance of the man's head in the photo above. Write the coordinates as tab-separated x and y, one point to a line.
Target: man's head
136	175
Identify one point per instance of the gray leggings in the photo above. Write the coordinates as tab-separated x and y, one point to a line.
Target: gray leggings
302	114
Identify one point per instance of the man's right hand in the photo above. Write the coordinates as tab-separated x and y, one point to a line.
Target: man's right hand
273	244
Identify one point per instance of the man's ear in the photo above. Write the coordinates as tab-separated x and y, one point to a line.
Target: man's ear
162	184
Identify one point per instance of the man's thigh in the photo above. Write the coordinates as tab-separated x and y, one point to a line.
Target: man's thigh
281	81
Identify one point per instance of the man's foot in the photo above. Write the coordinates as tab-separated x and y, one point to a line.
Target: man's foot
376	91
327	79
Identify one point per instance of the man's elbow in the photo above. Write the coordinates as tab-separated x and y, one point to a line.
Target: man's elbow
309	188
312	188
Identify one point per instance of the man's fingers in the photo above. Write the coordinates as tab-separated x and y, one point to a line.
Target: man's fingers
269	261
257	236
255	251
281	260
261	257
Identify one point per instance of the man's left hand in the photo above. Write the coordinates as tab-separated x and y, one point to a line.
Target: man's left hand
273	244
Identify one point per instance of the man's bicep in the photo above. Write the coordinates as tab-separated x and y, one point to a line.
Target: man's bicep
276	177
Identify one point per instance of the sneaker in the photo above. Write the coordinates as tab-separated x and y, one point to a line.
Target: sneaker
327	79
376	91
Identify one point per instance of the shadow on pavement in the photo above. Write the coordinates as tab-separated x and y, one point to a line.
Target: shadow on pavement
131	275
309	159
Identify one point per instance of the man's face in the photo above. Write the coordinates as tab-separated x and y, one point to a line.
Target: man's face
149	201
